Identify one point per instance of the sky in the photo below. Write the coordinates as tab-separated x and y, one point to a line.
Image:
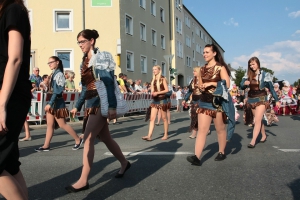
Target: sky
267	29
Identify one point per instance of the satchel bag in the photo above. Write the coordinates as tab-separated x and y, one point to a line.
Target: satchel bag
121	108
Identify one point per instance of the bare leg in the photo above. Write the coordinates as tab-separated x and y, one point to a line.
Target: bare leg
50	130
259	112
221	131
113	147
94	125
62	124
169	116
158	117
151	124
194	134
203	127
27	131
10	188
166	125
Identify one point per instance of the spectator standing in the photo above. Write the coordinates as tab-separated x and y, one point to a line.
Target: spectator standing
122	84
44	85
15	96
179	99
36	76
69	84
138	86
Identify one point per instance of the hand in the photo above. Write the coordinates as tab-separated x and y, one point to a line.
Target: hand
154	94
247	83
183	103
3	128
73	112
278	104
47	107
112	114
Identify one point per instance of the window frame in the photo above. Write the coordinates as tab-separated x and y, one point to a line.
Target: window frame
144	4
154	9
71	19
163	69
143	36
132	61
155	41
64	50
145	64
130	23
163	45
162	17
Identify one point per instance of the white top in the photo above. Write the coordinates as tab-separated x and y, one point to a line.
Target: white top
178	95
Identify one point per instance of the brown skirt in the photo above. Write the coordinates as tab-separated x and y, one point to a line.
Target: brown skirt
248	110
87	113
59	113
212	113
194	117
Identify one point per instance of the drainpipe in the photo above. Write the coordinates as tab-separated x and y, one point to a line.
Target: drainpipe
83	14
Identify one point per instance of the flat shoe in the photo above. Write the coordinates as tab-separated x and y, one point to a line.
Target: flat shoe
157	124
25	139
263	141
71	189
251	146
118	175
192	137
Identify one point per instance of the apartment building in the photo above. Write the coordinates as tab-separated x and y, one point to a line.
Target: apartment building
138	33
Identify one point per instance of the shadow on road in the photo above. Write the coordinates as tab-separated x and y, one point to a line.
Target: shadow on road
143	167
295	188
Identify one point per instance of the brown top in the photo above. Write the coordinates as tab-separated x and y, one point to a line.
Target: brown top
195	86
254	85
87	76
211	74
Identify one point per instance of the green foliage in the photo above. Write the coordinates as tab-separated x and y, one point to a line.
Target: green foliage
239	73
296	83
267	70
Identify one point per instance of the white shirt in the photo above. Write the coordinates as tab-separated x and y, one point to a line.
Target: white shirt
178	95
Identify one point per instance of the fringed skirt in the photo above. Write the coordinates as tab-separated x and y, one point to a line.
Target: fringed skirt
58	109
194	116
164	104
92	108
252	103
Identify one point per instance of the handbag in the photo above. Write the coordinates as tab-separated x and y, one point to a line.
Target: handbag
121	108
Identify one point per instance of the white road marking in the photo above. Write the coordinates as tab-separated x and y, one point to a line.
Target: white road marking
290	150
148	153
276	147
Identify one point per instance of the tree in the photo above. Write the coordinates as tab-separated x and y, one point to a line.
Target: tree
239	74
267	70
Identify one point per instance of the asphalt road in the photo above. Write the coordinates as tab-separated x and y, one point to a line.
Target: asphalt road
159	168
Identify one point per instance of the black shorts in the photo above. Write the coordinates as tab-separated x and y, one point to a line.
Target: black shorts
16	112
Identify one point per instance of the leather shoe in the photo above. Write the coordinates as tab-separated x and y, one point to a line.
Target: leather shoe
194	160
71	189
118	175
251	146
220	157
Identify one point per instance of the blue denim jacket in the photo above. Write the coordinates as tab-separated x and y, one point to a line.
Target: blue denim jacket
265	81
104	69
57	85
223	98
189	93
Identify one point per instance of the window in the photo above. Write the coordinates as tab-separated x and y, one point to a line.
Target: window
178	25
187	21
188	41
163	68
193	38
153	37
178	4
143	4
144	64
188	61
201	34
179	49
153	8
163	42
63	20
66	56
143	31
194	56
198	48
162	15
154	62
198	63
128	25
197	31
129	61
205	38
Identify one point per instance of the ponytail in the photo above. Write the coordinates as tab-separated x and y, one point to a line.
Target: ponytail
60	64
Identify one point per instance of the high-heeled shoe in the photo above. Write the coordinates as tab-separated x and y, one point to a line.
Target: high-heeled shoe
71	189
118	175
263	141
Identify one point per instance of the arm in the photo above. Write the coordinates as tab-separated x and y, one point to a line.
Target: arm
269	85
58	86
242	84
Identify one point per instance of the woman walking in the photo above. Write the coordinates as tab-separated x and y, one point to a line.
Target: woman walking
257	80
213	72
15	95
160	102
56	108
100	64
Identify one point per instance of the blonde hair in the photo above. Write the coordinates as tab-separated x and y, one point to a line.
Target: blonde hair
158	76
198	70
130	81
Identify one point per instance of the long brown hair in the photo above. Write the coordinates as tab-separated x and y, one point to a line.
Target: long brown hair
218	57
60	65
251	74
5	3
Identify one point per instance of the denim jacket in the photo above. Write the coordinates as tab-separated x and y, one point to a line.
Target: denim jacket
189	92
57	85
265	81
223	98
103	67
